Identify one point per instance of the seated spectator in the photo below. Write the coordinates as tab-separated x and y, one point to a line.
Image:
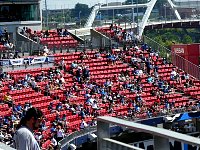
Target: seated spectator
188	83
35	37
150	79
65	33
112	58
82	113
166	88
87	94
4	56
59	31
160	83
54	143
46	33
145	46
134	59
83	56
138	98
60	133
62	64
191	82
45	51
111	26
108	84
86	73
93	122
74	65
185	76
97	54
8	99
138	72
94	105
23	30
173	74
83	124
59	106
8	44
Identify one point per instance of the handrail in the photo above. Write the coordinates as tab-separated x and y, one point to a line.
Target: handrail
192	69
26	36
94	10
75	135
69	138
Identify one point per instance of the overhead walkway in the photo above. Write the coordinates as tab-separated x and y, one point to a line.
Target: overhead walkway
140	26
152	24
161	136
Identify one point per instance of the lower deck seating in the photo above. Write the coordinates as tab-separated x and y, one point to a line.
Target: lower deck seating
130	95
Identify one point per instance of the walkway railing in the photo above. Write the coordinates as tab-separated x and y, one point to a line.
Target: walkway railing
73	136
172	57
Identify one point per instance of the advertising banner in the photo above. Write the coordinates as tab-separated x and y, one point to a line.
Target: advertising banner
18	61
50	59
37	60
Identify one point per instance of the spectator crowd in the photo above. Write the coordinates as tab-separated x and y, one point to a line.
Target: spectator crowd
139	90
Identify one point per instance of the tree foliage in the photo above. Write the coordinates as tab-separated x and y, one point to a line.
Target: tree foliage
81	9
187	39
167	37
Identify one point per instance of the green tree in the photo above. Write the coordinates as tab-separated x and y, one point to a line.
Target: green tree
187	39
81	10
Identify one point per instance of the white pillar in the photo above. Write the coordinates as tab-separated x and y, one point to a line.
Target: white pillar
102	132
161	143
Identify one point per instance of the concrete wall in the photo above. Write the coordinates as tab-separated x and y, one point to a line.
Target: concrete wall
99	40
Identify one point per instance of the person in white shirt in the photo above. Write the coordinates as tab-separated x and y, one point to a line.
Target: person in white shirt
173	74
60	133
94	105
46	50
83	124
54	143
24	138
62	79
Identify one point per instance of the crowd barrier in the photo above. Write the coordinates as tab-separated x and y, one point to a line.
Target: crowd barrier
153	121
28	61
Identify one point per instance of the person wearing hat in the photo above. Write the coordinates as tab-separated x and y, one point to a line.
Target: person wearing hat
24	136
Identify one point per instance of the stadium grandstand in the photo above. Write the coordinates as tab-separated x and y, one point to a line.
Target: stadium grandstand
85	87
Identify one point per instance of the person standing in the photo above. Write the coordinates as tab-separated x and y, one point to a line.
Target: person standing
24	137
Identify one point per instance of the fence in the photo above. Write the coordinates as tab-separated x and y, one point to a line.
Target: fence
172	57
73	136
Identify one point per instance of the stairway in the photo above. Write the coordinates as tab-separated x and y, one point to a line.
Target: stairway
92	16
25	44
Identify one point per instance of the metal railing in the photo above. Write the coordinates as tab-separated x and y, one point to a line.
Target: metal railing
161	136
172	57
26	66
71	137
110	144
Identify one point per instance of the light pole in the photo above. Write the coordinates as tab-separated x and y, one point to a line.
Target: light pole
137	19
63	14
132	13
170	14
47	14
165	5
100	18
79	15
113	16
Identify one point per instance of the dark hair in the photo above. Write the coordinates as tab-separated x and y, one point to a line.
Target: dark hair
31	112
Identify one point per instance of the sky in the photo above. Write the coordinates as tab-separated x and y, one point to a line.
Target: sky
61	4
